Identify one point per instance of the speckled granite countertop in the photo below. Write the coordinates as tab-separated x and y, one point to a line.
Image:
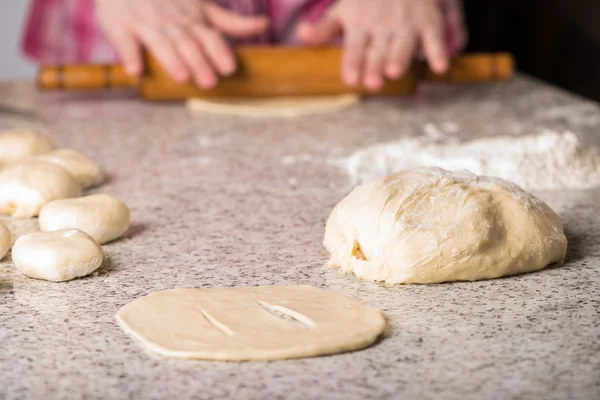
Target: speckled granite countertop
230	201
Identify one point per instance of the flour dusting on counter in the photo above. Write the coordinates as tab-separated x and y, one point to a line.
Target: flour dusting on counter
296	159
546	161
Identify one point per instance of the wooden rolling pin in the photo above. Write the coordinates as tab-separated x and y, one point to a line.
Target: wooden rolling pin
271	71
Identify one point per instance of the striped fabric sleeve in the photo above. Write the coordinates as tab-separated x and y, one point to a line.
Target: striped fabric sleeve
65	31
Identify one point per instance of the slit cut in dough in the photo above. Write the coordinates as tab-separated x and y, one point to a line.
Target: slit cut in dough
274	106
250	323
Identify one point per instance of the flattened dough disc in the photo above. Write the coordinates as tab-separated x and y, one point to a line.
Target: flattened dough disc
236	324
274	106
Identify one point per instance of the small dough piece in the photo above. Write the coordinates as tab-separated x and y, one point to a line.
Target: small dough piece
57	256
429	225
17	145
27	186
82	168
101	216
239	323
5	240
274	106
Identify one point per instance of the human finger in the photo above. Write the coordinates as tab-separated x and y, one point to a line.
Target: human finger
128	47
164	51
375	59
353	58
434	47
191	53
216	49
400	54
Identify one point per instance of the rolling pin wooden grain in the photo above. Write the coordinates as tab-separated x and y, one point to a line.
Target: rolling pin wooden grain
272	71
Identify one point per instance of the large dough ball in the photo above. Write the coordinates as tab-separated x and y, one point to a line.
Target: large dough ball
5	240
82	168
101	216
16	145
25	187
57	256
429	225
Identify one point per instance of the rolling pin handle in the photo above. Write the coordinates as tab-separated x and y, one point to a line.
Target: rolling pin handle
84	77
474	68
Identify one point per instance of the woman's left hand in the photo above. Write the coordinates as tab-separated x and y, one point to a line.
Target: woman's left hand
381	37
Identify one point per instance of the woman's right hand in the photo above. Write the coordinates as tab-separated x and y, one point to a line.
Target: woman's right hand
185	36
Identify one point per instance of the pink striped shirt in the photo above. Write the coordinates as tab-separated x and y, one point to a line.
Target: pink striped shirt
66	31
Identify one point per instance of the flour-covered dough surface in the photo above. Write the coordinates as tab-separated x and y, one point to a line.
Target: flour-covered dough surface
233	324
82	168
274	106
429	225
102	216
57	256
19	144
27	186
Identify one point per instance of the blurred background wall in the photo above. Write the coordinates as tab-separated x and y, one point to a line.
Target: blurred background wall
555	40
12	18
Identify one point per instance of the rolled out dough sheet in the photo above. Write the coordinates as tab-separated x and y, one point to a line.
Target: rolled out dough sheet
274	106
250	323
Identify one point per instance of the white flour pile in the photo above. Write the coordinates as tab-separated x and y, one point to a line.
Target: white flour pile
546	161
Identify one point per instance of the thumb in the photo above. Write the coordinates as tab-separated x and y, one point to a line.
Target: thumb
321	32
233	24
